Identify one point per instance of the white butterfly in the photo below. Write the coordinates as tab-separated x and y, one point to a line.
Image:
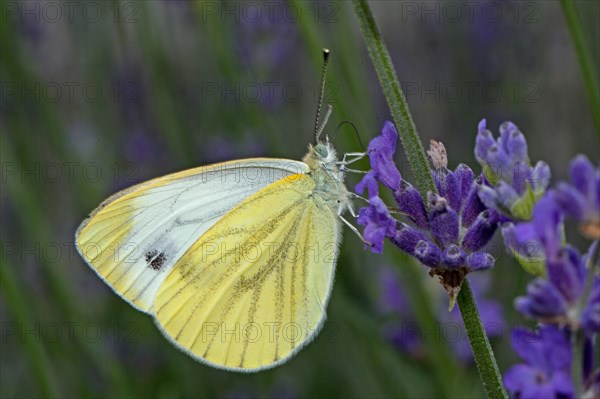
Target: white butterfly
235	261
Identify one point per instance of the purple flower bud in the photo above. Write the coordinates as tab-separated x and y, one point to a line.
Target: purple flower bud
481	126
543	301
547	221
507	196
514	142
566	274
368	181
521	176
443	220
540	177
454	256
473	207
451	191
481	232
439	176
571	201
524	242
480	261
410	202
407	238
381	152
428	253
465	177
488	196
484	141
582	175
498	162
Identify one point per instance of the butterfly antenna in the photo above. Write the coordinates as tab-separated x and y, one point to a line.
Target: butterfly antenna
325	119
319	127
342	123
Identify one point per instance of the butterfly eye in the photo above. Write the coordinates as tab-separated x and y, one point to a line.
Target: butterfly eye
321	150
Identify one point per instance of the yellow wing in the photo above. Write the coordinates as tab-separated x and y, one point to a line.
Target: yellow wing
253	289
135	237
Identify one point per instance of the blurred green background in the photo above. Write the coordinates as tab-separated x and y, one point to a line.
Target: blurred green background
98	95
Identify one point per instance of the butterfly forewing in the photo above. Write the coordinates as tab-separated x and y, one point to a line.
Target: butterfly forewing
136	236
253	289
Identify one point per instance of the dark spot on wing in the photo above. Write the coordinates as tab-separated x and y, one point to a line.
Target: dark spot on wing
154	259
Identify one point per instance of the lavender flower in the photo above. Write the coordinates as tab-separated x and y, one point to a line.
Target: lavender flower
513	185
448	233
546	371
581	200
566	296
559	299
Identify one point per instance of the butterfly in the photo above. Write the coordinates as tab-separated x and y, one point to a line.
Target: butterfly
234	261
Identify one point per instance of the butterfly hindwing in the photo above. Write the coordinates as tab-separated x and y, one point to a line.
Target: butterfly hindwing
253	289
135	237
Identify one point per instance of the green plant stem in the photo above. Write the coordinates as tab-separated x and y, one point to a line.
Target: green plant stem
590	75
482	351
484	357
395	98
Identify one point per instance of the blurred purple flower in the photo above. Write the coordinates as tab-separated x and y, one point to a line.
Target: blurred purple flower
581	199
546	371
142	147
558	299
219	148
402	329
404	332
391	295
265	39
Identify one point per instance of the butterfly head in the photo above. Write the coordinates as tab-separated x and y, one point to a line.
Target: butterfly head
320	154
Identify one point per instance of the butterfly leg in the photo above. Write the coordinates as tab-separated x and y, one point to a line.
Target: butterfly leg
355	230
363	172
356	156
354	195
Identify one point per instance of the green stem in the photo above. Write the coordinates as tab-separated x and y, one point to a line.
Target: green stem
482	351
484	357
395	98
590	76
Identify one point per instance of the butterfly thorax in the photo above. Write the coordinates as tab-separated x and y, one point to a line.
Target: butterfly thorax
329	180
